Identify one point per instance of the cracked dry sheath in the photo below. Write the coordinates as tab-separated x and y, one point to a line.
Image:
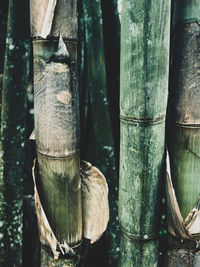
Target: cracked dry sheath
145	28
56	107
184	114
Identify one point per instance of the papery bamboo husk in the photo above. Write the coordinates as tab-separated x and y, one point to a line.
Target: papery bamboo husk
145	27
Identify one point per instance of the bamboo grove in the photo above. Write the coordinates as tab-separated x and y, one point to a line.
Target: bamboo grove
100	121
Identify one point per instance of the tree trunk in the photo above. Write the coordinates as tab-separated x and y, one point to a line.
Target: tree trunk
56	107
145	27
184	120
13	118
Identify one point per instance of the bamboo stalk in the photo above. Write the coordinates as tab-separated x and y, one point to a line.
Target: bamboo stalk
97	135
13	127
56	107
111	34
111	38
97	138
184	119
145	27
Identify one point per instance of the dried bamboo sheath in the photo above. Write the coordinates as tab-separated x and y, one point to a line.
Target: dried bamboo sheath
143	99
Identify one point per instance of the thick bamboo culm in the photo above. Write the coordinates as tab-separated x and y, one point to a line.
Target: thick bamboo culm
184	118
13	132
145	28
56	107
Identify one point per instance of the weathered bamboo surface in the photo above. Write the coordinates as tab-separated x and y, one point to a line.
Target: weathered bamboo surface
56	111
145	27
57	139
181	257
184	125
184	134
60	190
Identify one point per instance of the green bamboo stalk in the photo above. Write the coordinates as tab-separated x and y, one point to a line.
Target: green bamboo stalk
13	118
184	119
56	108
111	36
145	27
96	104
97	139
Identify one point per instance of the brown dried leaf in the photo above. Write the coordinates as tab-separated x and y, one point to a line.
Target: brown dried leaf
95	202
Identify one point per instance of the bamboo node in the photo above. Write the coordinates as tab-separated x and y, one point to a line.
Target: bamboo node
133	238
144	121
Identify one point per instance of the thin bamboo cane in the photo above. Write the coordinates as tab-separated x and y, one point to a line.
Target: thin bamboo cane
96	105
97	139
56	106
13	122
145	27
111	37
184	119
111	34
